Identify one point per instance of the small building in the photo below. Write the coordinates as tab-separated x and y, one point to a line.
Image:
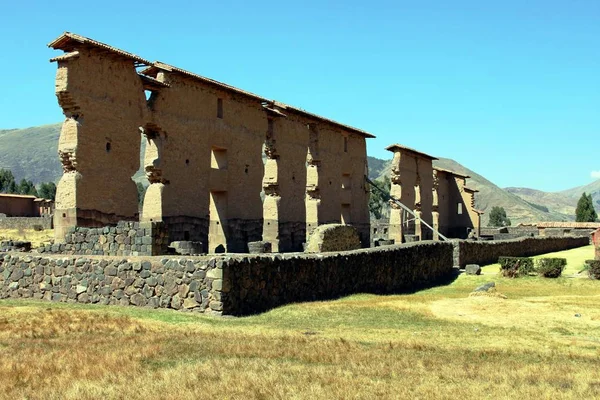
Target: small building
18	205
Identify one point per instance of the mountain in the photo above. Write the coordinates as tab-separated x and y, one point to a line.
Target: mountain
592	188
31	153
552	201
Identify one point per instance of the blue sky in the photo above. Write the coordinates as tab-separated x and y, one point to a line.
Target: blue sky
510	89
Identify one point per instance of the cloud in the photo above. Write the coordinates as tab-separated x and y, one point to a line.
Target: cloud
595	174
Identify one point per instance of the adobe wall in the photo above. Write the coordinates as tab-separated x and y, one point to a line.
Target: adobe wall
451	223
201	159
487	252
102	98
216	140
451	193
18	206
225	167
232	285
412	184
26	222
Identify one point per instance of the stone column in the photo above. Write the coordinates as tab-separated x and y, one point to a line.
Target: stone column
417	209
313	196
396	212
152	210
435	206
271	204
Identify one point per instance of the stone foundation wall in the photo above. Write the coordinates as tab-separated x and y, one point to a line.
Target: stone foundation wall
26	222
237	285
125	239
487	252
152	282
261	283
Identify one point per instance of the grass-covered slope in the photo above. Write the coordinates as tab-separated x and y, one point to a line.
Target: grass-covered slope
31	153
540	342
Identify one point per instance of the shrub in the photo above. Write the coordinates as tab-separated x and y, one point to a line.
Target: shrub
593	268
513	267
550	267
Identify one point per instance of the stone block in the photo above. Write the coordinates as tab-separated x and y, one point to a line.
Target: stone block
259	247
333	237
473	269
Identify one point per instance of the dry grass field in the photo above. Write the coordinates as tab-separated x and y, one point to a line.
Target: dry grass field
36	238
540	342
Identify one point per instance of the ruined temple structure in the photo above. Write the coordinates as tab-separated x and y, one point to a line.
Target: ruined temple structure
436	196
225	167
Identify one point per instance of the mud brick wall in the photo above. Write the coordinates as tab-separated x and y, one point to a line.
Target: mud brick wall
487	252
237	285
25	222
125	239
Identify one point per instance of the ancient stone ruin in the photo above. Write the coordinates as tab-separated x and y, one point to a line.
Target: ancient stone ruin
226	167
436	196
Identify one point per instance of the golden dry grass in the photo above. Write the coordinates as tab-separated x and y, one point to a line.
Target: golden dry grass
37	238
438	343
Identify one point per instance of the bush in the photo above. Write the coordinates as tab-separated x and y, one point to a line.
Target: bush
550	267
513	267
593	268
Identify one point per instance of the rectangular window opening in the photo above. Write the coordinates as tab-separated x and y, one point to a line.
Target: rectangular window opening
346	181
460	208
345	144
218	158
220	108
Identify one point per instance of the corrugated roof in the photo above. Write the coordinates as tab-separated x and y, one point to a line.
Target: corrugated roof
451	172
69	41
156	66
392	147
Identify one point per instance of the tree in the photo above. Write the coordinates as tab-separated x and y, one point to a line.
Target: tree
12	187
7	181
377	200
498	217
585	211
47	191
141	189
27	187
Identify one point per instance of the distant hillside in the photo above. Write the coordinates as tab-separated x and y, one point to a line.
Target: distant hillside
553	201
490	195
31	153
592	188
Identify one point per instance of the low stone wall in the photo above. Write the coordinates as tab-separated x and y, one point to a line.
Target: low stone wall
25	222
153	282
228	284
258	284
125	239
487	252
